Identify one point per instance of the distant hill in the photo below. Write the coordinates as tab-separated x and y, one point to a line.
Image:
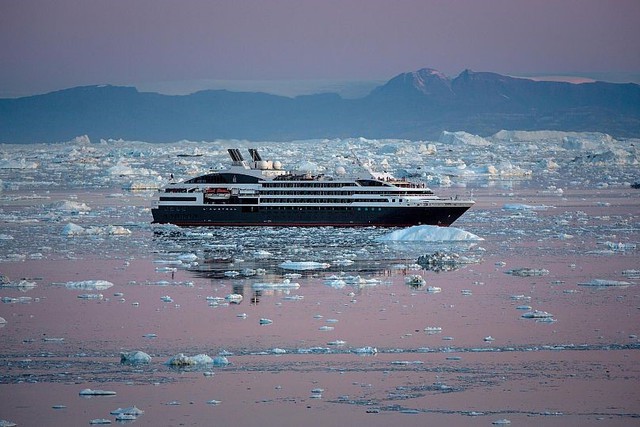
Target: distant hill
416	105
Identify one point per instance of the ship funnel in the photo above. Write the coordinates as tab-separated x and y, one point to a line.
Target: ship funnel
255	156
235	155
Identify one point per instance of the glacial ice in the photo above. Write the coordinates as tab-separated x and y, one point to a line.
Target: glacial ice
134	357
89	285
72	229
304	265
602	283
90	392
430	233
183	360
285	284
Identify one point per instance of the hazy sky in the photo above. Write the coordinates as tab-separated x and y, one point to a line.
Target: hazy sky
54	44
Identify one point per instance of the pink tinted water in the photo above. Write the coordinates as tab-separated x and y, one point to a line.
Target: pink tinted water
562	372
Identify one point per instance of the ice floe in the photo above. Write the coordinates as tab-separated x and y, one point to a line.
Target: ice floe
285	284
89	285
524	207
430	233
304	265
134	357
72	229
602	283
527	272
183	360
90	392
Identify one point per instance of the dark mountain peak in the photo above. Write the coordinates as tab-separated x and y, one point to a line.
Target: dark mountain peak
425	81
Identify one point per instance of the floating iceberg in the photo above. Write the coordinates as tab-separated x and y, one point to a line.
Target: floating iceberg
90	392
234	298
523	207
304	265
463	138
182	360
601	283
366	350
70	206
285	284
537	314
134	357
430	233
527	272
89	285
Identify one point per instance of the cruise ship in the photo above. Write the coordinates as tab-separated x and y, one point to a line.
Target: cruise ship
262	193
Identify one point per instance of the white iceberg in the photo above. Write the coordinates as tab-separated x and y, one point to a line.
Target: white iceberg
285	284
71	206
304	265
90	392
523	207
463	138
537	314
182	360
430	233
89	285
72	229
601	283
134	357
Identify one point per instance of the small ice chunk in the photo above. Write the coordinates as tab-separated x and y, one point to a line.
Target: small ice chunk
213	402
489	338
262	254
234	298
90	392
131	410
100	421
537	314
434	289
264	321
503	421
134	357
166	298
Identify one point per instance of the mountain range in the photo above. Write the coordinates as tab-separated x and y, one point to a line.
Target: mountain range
416	105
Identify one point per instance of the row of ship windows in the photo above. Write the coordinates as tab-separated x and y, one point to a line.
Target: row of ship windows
307	184
268	200
283	208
